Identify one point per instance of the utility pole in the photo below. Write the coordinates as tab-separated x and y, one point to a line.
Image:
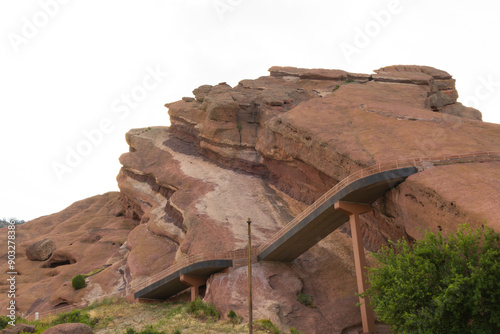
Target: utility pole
250	317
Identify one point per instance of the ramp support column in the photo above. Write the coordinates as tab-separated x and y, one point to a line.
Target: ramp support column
194	282
353	210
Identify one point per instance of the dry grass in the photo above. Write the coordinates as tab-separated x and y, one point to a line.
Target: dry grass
110	316
167	317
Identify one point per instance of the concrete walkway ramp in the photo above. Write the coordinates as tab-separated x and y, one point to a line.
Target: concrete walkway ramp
324	219
172	284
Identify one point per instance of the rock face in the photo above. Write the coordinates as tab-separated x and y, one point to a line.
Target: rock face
265	149
41	250
69	329
90	235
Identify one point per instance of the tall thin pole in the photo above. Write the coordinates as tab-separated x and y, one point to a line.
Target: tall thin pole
250	317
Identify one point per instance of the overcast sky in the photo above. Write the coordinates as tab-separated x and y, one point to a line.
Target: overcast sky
76	75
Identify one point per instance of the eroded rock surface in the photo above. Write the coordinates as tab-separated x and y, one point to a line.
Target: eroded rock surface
40	250
69	329
87	234
264	150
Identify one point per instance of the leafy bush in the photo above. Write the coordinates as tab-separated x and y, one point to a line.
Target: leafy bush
234	318
78	282
441	285
202	310
177	331
305	299
266	325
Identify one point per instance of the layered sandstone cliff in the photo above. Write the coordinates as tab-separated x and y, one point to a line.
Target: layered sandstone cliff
265	149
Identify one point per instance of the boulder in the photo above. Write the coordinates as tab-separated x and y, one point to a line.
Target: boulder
69	329
201	92
19	328
40	250
457	109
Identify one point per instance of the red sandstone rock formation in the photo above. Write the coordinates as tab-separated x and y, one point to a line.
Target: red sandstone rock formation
265	149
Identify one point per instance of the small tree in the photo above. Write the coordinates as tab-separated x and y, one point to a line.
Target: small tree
78	282
440	285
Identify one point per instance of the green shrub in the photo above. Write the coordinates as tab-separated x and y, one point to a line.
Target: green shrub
78	282
4	321
177	331
441	284
234	318
266	325
75	316
130	331
295	331
305	299
202	310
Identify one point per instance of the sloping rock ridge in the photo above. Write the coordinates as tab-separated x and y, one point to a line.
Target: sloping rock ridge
265	149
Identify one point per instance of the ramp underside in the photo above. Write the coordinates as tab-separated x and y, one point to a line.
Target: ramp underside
172	285
325	219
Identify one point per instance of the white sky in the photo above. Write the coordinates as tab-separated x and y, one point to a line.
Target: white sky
68	66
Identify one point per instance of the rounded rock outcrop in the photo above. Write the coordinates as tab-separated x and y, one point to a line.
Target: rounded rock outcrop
40	250
69	329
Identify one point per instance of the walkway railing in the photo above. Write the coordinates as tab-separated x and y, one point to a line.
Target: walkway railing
375	169
362	173
209	256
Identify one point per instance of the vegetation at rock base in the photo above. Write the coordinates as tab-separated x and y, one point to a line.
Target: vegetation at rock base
441	284
202	310
267	325
234	318
3	322
118	316
295	331
78	282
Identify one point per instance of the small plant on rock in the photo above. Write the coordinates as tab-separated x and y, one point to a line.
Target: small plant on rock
78	282
295	331
305	299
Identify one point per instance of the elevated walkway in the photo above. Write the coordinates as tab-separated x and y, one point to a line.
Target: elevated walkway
176	282
304	231
322	219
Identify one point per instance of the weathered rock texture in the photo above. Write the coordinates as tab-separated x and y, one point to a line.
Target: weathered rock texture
69	329
40	250
265	149
89	235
